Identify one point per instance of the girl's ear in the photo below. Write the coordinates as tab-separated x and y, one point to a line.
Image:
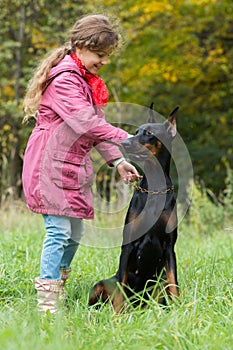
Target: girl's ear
171	122
151	118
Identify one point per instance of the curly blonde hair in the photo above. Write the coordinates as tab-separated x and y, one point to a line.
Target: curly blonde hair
93	32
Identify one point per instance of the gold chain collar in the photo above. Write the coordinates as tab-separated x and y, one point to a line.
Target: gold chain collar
144	190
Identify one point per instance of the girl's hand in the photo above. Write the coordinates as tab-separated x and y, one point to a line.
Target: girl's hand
128	172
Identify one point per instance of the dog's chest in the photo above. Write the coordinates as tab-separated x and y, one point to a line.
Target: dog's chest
147	260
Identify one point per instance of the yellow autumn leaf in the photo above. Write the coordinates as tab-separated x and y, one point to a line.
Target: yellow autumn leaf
6	127
9	91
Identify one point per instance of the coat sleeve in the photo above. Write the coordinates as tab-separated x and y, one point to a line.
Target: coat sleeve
72	102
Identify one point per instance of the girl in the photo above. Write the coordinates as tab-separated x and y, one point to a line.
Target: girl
66	96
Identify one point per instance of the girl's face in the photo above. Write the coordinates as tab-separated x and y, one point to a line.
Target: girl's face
93	60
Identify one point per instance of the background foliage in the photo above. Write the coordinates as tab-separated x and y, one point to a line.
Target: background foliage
173	52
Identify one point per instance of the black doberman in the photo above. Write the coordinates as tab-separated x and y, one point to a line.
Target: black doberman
150	229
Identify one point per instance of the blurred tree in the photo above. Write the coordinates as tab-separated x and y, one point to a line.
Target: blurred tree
30	29
173	52
181	52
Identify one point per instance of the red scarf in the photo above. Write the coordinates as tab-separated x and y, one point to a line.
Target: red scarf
97	85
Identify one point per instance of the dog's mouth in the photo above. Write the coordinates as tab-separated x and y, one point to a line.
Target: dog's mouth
137	153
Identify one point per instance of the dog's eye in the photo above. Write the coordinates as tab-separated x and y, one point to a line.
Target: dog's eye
147	132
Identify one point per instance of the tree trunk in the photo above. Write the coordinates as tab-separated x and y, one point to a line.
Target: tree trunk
15	159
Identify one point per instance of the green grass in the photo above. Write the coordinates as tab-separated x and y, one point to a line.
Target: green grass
202	319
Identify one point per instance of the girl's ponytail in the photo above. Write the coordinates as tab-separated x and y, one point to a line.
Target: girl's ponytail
38	82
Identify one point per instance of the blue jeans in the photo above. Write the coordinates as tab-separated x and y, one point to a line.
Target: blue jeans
60	244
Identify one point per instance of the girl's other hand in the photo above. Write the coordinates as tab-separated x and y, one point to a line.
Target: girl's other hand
128	172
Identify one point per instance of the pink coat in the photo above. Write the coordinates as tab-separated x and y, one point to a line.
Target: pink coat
57	172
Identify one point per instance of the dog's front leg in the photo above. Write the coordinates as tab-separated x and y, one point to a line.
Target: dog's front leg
122	277
171	272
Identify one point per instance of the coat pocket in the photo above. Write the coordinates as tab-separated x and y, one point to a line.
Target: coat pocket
68	171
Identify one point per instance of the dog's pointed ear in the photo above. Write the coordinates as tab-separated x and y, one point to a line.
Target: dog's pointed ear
171	121
151	118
